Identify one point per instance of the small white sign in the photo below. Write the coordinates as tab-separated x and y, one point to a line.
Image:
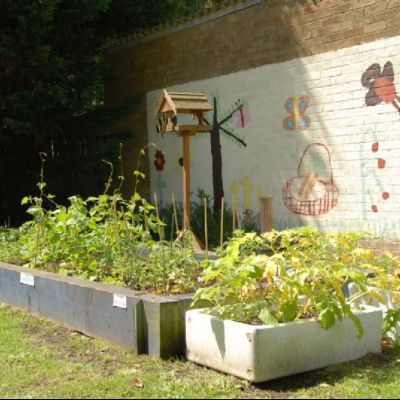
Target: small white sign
119	301
27	279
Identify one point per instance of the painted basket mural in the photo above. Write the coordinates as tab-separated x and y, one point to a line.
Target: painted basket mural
312	193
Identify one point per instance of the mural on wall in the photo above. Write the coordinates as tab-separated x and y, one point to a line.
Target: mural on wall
249	189
380	85
160	183
218	123
241	117
159	161
381	163
297	119
366	172
313	191
248	217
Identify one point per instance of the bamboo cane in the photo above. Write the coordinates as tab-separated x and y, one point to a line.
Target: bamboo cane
145	216
205	226
175	213
162	243
158	216
233	214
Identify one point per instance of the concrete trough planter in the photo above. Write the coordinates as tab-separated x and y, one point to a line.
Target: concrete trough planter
146	323
392	301
261	353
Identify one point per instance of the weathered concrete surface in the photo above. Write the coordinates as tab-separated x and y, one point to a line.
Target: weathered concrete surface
261	353
164	324
149	323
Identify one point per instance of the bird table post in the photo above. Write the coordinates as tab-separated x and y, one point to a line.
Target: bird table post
186	182
169	106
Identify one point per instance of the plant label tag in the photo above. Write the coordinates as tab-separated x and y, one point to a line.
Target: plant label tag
119	301
27	279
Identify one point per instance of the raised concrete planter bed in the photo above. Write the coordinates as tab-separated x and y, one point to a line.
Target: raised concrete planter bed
146	323
392	301
261	353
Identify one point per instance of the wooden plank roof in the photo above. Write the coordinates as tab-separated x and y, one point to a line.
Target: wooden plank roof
185	102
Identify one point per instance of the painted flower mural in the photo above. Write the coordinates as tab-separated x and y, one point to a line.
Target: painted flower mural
241	117
380	85
159	161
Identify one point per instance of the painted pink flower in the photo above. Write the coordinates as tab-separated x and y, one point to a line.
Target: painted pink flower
241	117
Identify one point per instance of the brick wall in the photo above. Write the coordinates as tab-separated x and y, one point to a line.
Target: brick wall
266	54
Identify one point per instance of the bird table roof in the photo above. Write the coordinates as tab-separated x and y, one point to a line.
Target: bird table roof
183	102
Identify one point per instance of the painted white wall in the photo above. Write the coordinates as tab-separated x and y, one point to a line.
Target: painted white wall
340	120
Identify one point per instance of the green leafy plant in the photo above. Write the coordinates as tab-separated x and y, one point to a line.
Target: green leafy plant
167	267
104	238
290	275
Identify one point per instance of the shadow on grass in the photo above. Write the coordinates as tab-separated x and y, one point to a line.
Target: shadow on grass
373	368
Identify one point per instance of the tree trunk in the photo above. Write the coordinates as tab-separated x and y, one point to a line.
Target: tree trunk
215	138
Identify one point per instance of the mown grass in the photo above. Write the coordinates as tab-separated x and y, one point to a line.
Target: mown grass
43	359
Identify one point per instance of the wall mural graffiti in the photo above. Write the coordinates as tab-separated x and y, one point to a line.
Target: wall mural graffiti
215	139
373	172
241	117
159	161
297	119
380	85
161	185
249	190
313	191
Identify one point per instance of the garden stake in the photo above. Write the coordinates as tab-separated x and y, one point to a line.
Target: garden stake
205	226
145	216
161	242
175	213
222	222
233	214
172	230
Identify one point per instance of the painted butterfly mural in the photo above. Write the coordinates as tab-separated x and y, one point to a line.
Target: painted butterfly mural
380	85
296	108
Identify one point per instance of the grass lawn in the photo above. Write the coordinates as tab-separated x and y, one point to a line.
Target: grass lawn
43	359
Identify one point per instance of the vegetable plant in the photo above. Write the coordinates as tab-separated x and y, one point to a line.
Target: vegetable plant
104	238
291	275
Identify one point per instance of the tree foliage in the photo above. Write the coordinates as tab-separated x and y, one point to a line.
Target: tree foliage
52	89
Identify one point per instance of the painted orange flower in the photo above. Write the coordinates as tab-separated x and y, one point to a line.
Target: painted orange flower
380	85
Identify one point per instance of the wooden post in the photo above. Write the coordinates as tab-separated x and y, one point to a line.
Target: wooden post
186	181
266	217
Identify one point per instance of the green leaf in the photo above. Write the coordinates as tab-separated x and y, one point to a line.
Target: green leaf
267	317
25	200
358	324
289	311
136	197
327	318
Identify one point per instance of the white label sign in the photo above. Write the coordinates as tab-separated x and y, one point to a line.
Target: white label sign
27	279
119	301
